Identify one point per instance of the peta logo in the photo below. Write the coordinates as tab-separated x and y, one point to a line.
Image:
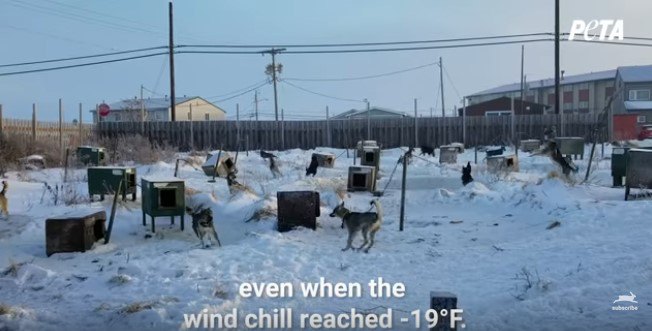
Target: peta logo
608	30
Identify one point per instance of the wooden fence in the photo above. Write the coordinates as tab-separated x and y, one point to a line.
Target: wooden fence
68	134
390	133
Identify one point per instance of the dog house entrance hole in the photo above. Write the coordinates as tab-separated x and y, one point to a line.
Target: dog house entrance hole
359	180
132	180
369	156
167	198
510	162
229	163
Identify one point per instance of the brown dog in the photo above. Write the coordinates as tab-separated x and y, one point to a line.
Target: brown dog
4	203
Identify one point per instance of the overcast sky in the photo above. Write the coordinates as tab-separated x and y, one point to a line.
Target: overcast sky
45	29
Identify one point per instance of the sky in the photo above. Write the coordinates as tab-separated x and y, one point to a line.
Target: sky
32	30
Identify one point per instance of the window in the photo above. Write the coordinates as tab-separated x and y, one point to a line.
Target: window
583	105
641	119
639	95
551	99
498	113
568	101
584	95
207	117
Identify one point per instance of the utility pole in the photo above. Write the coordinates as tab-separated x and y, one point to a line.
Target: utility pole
171	52
416	129
368	120
273	70
441	82
522	77
142	112
257	122
557	57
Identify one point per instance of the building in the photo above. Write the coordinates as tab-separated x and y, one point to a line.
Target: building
158	109
580	93
632	106
374	112
503	106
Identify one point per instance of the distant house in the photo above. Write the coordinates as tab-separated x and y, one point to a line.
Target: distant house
373	112
632	106
158	109
503	106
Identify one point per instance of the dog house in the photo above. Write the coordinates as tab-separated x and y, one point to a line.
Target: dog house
639	172
495	151
163	197
502	163
573	146
325	160
362	178
458	146
530	145
105	181
220	164
74	232
297	208
448	154
443	301
362	144
370	156
93	156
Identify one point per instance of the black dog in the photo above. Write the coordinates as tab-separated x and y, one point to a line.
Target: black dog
312	168
266	155
427	150
466	174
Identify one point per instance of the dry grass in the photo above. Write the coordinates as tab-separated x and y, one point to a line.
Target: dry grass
7	309
135	148
137	307
268	211
120	279
14	147
13	268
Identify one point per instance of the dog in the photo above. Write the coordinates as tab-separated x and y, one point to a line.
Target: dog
312	168
466	174
202	224
4	203
552	150
368	223
266	155
427	150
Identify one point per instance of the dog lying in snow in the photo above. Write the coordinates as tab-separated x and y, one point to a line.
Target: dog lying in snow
312	168
367	223
202	224
466	174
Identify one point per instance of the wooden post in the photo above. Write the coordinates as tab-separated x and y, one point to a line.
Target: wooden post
113	208
1	122
328	129
192	132
80	123
416	129
282	129
33	124
512	123
402	219
464	121
61	127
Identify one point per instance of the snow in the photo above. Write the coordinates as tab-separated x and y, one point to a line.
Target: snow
470	240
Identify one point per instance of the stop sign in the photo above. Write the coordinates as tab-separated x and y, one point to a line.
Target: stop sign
104	109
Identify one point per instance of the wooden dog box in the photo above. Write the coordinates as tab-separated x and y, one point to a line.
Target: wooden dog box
370	156
530	145
362	178
74	232
639	172
163	197
448	154
502	163
325	160
571	146
105	181
297	208
443	301
221	164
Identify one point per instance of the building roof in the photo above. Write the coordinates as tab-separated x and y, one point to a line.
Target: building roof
550	82
151	104
375	112
635	74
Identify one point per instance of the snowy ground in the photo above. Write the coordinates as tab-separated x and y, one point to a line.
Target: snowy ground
474	241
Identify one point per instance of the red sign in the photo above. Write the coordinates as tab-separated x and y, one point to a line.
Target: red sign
104	110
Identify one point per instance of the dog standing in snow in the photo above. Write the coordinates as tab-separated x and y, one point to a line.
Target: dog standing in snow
312	168
428	150
202	224
367	223
466	174
4	203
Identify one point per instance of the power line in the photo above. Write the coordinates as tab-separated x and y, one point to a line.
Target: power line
49	35
388	43
320	94
80	65
361	77
451	81
241	94
238	90
82	57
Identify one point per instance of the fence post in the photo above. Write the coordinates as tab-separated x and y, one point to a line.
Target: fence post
33	124
328	129
416	129
192	132
81	123
464	121
1	122
282	129
512	123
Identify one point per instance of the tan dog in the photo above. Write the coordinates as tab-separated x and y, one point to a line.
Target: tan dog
4	203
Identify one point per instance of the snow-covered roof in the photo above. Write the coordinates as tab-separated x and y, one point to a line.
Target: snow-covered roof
574	79
638	105
635	74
